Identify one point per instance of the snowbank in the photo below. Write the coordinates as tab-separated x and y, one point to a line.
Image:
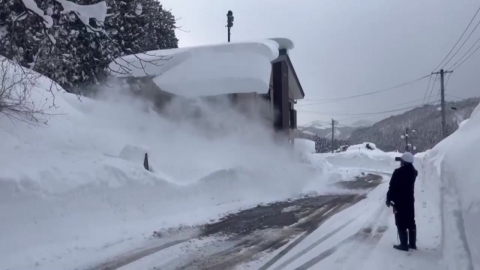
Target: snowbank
304	146
363	146
451	168
241	67
73	190
359	156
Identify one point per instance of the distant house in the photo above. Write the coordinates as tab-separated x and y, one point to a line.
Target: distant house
246	72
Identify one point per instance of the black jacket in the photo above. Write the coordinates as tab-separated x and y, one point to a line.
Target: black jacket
402	186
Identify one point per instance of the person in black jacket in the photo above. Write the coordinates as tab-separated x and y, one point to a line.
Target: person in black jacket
400	195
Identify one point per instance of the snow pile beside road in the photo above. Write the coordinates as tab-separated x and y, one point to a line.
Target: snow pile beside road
73	190
304	146
358	156
451	165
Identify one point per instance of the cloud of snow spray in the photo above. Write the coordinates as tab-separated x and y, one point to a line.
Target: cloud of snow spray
80	179
206	143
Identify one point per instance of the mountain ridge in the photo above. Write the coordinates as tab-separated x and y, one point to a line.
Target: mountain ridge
425	120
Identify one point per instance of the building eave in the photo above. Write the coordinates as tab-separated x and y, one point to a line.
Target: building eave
297	81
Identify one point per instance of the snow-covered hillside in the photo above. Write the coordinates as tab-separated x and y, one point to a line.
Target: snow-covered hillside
425	120
324	129
451	167
73	190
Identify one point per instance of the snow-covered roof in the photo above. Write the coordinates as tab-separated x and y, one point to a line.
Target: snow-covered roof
284	43
237	67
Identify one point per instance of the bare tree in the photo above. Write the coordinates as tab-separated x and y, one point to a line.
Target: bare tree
16	86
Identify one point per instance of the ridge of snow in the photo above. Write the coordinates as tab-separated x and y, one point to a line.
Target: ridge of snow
449	167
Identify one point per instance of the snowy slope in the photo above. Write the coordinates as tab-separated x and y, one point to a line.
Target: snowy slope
451	165
324	129
74	191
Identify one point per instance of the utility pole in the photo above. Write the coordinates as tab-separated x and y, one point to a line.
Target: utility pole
333	134
229	22
408	146
442	93
406	139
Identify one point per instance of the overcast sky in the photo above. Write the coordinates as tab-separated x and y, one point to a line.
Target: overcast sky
348	47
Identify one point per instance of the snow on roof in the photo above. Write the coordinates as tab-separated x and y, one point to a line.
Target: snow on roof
238	67
284	43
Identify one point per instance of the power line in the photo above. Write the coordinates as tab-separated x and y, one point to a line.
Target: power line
462	45
458	39
365	94
433	86
411	101
467	57
428	87
448	79
367	116
366	113
455	96
461	58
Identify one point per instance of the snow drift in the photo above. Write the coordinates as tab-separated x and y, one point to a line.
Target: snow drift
451	169
74	189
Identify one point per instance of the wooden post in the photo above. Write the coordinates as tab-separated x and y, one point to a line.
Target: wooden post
145	162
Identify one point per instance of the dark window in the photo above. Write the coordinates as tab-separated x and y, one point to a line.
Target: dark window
293	119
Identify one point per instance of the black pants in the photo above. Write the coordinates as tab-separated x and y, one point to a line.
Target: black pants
405	217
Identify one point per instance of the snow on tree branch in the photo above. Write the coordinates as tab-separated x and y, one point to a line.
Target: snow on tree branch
73	42
32	6
17	85
96	11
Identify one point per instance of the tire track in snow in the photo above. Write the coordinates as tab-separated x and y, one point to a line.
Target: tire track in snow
363	237
360	236
379	212
362	249
330	213
318	242
312	246
135	255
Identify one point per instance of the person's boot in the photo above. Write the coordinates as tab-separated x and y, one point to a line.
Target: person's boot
412	239
403	241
